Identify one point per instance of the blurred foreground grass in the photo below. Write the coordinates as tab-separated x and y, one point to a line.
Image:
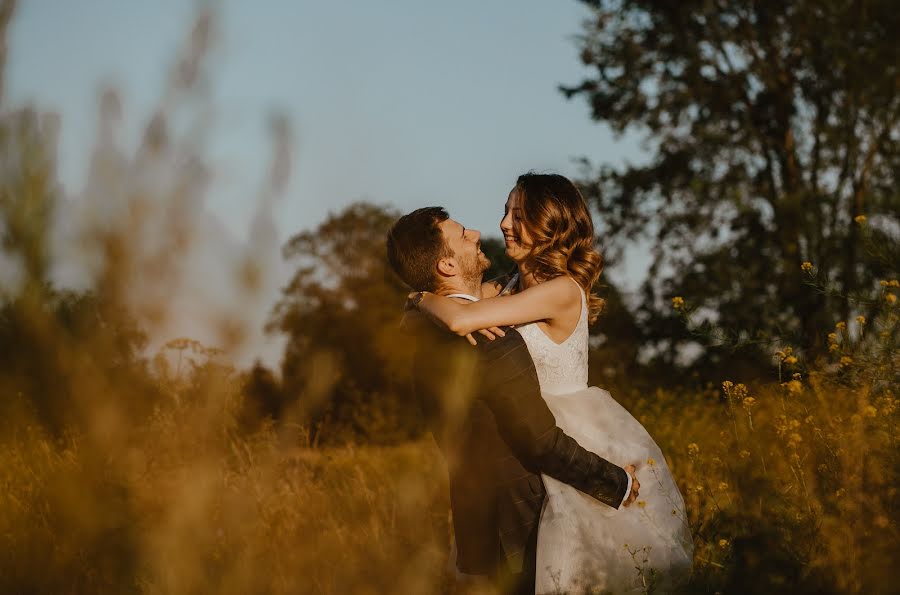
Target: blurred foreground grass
185	506
788	488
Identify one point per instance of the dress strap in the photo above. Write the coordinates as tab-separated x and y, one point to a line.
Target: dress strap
509	286
464	296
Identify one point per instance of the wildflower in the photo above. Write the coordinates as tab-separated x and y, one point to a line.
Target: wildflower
651	462
642	504
890	298
841	325
861	319
883	283
894	283
806	266
870	411
716	461
860	219
678	302
698	488
693	449
790	360
832	337
748	402
796	376
723	543
846	361
795	439
833	347
794	387
723	485
740	391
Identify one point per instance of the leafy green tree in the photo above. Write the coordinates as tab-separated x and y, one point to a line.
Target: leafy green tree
771	129
345	365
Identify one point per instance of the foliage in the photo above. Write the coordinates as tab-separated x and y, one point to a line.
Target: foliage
771	127
345	367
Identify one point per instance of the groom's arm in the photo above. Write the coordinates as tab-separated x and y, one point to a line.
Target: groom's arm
512	391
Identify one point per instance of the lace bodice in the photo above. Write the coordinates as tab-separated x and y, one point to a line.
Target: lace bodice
561	368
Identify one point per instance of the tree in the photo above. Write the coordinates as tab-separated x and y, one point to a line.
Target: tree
346	362
772	128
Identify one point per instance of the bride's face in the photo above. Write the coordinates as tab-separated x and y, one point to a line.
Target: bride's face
518	244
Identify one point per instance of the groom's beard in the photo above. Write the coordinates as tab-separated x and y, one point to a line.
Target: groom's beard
473	269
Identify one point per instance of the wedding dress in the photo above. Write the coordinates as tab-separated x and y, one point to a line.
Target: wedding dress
583	545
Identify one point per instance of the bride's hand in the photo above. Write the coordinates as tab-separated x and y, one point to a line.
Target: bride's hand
491	333
635	485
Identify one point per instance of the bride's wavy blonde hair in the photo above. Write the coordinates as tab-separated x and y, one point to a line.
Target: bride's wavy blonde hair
556	218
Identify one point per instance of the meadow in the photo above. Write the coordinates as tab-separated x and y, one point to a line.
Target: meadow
789	487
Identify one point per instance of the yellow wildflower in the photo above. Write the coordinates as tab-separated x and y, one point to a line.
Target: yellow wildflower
642	504
790	360
693	449
861	319
846	360
651	462
894	283
744	454
841	325
832	337
740	391
833	347
891	298
748	402
860	219
806	266
794	387
723	485
883	283
870	411
796	376
723	543
678	302
698	488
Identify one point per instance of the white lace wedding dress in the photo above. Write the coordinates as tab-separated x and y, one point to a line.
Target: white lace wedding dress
583	545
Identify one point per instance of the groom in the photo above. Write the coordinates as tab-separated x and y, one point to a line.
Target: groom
485	410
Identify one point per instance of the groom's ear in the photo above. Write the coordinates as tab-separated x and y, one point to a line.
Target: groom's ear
447	267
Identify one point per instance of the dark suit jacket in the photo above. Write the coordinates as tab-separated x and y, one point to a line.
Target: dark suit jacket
486	412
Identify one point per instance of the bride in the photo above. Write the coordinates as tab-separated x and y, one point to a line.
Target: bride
583	546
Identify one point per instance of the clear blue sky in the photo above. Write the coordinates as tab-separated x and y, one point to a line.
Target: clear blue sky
404	102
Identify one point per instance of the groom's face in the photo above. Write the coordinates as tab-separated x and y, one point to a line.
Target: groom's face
466	247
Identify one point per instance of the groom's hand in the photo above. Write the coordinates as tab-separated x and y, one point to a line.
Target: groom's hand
635	485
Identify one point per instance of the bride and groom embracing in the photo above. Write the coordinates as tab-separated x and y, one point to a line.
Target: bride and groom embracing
554	487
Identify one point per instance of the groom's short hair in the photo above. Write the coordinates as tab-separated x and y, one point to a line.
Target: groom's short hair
415	244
